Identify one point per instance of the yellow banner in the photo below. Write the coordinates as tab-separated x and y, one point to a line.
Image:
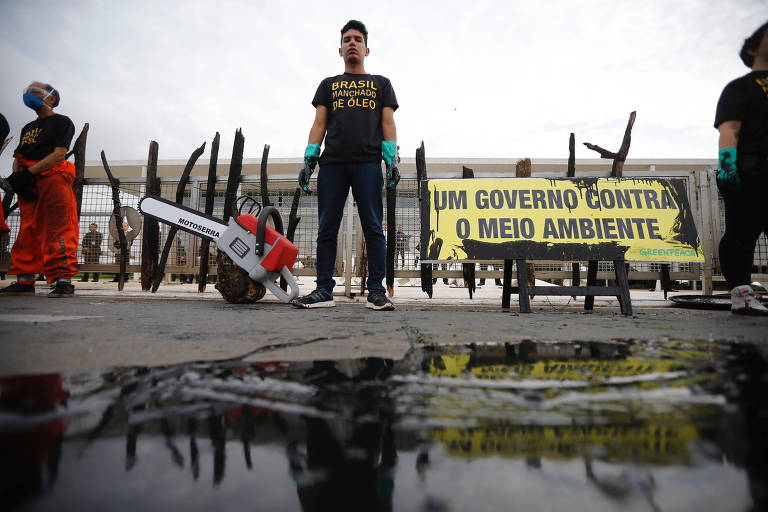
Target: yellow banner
559	219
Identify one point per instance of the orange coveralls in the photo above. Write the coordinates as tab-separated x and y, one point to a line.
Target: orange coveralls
47	239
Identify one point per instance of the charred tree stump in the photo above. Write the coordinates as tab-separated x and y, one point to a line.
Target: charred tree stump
150	243
523	170
468	269
160	270
232	281
117	218
617	169
421	174
210	194
78	149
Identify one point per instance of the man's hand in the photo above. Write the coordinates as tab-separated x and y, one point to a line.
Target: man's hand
392	159
23	183
727	173
310	160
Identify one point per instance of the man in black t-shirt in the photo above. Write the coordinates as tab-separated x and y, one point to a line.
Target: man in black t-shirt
354	113
42	178
742	176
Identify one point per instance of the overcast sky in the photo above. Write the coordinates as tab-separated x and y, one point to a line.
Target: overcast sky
473	78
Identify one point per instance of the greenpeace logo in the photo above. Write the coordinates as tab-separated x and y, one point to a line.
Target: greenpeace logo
667	252
197	227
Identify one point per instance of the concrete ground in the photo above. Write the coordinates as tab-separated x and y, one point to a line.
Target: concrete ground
102	327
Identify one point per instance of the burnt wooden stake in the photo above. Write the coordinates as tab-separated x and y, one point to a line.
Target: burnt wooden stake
160	270
293	223
421	174
210	194
468	269
391	239
523	170
235	170
117	218
150	243
264	178
78	149
575	271
617	169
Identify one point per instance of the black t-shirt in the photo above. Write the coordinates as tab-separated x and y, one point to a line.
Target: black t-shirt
41	136
355	102
746	99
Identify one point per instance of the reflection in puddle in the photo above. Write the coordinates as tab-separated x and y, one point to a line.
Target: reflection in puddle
528	426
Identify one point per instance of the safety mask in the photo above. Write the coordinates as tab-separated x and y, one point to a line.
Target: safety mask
32	100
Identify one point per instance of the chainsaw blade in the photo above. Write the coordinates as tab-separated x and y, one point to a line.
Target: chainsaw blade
186	219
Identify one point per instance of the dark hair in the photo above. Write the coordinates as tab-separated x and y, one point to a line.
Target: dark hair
355	25
751	43
55	94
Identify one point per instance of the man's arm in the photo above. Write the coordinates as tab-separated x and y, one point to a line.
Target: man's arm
729	134
317	132
388	128
53	159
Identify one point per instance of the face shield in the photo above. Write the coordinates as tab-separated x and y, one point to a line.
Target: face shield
38	91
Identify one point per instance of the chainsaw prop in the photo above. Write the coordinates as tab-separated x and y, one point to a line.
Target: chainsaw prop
261	251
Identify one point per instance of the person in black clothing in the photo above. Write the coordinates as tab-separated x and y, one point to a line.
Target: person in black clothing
401	244
742	177
91	250
354	113
42	178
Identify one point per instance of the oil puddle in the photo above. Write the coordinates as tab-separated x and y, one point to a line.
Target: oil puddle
528	426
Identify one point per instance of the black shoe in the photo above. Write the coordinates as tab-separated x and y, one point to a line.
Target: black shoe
82	280
62	290
18	289
316	299
377	300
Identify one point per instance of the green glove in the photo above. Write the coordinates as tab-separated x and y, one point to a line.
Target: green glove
310	160
388	151
727	174
392	159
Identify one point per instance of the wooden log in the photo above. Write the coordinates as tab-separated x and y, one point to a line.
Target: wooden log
117	218
468	269
617	169
210	195
182	185
264	178
421	174
523	170
235	171
150	243
78	149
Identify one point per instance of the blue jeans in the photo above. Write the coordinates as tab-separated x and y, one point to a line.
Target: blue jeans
333	183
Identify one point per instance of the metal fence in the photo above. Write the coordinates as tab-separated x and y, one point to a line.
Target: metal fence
185	253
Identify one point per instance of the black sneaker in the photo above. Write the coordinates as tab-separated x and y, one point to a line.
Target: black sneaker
377	300
18	289
316	299
62	290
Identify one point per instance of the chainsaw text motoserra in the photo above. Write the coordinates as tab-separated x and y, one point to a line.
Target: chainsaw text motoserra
197	227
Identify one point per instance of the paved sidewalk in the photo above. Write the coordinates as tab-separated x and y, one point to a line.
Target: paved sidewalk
102	328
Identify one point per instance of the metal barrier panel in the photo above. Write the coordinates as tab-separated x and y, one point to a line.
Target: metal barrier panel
184	256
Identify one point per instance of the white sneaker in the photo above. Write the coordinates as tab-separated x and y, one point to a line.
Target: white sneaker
744	302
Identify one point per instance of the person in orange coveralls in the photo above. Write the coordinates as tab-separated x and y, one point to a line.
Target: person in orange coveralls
42	178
